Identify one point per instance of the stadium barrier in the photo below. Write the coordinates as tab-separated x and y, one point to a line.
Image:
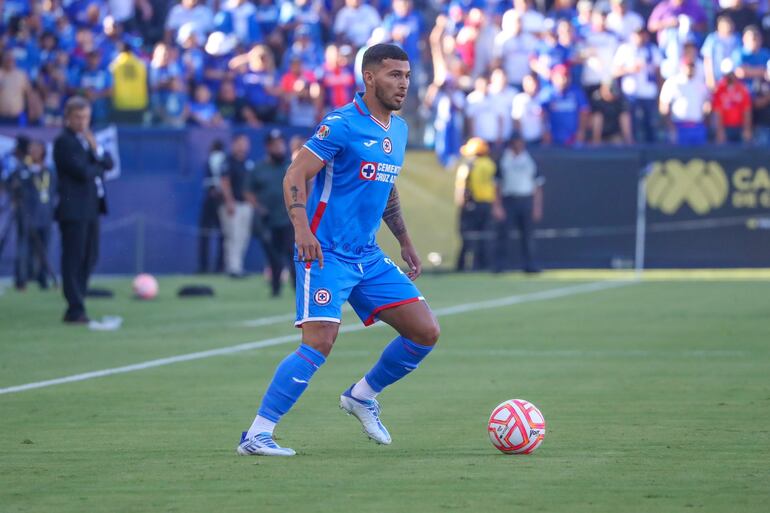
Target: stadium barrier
656	206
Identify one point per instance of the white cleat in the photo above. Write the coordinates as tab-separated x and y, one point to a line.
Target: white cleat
368	413
261	444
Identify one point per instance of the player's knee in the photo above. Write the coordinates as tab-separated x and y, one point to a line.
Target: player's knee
428	335
320	336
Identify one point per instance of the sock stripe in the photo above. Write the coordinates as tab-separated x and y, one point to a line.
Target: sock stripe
308	360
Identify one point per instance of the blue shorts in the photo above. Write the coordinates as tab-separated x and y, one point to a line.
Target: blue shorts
371	286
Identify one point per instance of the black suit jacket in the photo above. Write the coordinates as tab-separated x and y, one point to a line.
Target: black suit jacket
77	169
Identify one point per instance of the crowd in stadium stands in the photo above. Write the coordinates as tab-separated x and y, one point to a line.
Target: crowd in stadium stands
556	71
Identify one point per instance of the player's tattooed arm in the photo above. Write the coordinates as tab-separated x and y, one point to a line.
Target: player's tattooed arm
392	216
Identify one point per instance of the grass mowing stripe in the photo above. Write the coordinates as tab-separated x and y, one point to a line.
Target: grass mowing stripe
248	346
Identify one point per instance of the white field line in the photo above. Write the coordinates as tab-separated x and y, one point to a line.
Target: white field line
248	346
277	319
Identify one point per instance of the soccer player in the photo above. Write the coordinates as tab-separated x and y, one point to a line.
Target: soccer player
360	149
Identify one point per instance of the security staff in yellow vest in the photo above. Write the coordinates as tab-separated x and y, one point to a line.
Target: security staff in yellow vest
476	195
130	97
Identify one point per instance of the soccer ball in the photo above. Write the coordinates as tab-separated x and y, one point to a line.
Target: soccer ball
516	427
145	286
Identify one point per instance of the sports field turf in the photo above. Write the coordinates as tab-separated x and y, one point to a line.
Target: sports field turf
656	394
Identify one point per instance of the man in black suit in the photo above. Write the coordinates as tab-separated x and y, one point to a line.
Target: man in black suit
80	165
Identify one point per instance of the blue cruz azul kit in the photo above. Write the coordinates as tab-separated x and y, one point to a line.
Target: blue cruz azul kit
362	160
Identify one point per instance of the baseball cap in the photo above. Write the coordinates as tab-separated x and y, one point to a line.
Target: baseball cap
273	135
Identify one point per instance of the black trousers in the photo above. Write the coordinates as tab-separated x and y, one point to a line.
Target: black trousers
210	228
79	252
280	253
475	226
518	215
31	253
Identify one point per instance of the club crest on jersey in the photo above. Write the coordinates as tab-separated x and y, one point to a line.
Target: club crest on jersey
323	132
322	297
387	145
367	171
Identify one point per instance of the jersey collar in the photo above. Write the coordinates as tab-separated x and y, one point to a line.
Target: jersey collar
358	101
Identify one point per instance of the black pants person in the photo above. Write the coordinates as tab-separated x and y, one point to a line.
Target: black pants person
518	215
280	253
209	227
80	250
475	223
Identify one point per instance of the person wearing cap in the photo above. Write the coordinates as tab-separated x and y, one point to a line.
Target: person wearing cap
685	102
565	110
264	191
521	196
235	214
476	196
732	108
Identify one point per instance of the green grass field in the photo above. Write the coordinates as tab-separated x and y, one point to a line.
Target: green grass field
656	394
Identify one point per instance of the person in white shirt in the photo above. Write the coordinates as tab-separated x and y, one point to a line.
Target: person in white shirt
532	21
686	101
621	21
513	50
527	113
502	101
598	51
193	12
482	116
355	22
521	194
637	65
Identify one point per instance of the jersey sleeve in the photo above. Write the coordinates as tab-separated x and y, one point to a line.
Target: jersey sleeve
330	137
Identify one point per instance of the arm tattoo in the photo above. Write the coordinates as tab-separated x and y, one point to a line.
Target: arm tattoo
296	205
392	215
294	191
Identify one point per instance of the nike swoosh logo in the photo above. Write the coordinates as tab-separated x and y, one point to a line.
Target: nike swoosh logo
369	143
299	380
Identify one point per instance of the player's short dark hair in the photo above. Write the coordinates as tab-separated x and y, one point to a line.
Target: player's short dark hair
379	52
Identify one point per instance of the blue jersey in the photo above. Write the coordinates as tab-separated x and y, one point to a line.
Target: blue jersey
363	158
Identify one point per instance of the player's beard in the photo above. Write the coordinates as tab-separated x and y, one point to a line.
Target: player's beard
390	104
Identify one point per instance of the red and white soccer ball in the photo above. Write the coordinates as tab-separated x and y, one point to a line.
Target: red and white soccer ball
516	427
145	286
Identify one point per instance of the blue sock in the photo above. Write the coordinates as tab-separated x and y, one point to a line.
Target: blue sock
398	359
289	381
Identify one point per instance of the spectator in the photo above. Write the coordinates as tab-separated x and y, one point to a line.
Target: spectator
355	22
531	21
208	222
598	51
295	71
527	113
761	112
304	104
565	49
312	13
130	94
582	22
193	59
483	118
15	90
203	112
304	49
751	59
683	16
169	99
48	47
684	99
233	109
610	120
562	10
741	15
447	102
96	85
637	64
621	21
502	101
565	110
732	108
468	40
513	51
404	27
199	16
238	17
338	79
126	13
259	81
267	17
521	196
718	46
216	61
476	195
236	213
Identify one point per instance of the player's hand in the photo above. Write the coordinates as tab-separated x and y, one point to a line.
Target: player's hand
409	254
308	247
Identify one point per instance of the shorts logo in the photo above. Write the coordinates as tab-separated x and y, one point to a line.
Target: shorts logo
368	171
387	145
323	132
322	297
